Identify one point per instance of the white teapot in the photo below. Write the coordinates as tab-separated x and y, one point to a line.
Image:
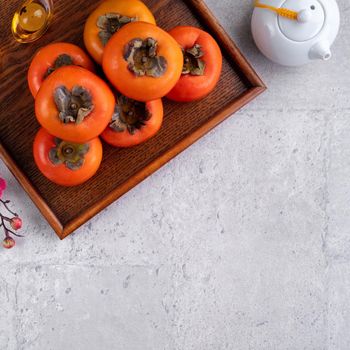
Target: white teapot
295	32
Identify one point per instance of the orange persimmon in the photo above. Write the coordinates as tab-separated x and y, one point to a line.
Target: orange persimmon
74	104
142	61
108	18
66	163
133	122
202	64
51	57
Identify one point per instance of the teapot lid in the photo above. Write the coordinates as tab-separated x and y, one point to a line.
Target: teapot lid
311	18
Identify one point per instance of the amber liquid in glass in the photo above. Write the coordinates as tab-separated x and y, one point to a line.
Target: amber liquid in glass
31	20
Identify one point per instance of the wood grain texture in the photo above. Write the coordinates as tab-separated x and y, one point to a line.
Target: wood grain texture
68	208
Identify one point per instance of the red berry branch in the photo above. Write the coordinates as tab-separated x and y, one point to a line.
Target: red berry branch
13	221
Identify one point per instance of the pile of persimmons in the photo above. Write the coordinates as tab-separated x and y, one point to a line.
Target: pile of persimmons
142	64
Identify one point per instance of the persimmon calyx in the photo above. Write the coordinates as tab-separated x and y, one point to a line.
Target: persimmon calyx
61	61
142	58
110	23
72	155
129	115
73	106
193	64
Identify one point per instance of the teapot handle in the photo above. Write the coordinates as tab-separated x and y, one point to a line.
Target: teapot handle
280	11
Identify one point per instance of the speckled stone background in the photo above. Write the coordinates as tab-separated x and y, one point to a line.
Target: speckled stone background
241	242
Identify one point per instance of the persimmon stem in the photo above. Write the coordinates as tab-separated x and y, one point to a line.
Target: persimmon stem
142	58
193	64
129	115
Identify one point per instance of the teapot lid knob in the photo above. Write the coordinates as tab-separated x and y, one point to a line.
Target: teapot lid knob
304	16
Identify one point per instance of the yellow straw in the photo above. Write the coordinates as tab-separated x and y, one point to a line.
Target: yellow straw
280	11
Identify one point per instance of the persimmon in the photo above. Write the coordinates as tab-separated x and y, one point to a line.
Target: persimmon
74	104
133	122
53	56
202	64
66	163
108	18
142	61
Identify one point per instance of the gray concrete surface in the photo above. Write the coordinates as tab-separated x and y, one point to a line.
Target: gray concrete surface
241	242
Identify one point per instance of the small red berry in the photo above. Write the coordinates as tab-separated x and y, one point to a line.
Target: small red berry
16	223
8	243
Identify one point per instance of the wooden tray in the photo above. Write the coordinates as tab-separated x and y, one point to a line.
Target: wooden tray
68	208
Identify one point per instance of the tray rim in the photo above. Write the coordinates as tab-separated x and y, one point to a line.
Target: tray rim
248	73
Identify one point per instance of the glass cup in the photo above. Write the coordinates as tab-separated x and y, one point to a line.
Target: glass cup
31	20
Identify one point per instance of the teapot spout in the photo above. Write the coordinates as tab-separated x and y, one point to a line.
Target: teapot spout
320	51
